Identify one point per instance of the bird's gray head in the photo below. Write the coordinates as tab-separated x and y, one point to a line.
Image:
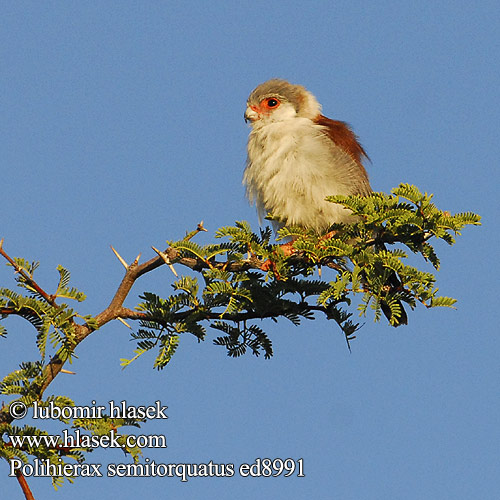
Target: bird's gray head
277	100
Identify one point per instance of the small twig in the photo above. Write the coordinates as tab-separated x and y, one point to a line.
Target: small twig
29	280
199	229
24	485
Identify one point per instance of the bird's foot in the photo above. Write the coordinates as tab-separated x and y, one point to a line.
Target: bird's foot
269	265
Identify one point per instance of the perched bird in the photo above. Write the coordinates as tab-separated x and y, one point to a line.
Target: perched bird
297	157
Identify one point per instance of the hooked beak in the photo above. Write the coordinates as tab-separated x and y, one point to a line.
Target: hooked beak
251	114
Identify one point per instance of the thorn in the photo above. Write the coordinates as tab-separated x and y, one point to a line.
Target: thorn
136	261
1	244
119	257
67	371
124	322
165	258
201	228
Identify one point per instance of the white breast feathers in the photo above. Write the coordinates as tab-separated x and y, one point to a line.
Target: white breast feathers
291	167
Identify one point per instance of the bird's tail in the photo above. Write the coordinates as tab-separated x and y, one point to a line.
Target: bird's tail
393	284
396	315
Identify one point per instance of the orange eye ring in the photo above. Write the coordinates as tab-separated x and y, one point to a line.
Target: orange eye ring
270	103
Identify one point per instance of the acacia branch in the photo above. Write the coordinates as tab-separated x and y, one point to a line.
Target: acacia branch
134	271
289	307
115	308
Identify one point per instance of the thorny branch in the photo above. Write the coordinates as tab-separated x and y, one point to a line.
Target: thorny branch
133	271
115	309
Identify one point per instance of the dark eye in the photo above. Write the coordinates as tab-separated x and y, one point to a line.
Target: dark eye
272	103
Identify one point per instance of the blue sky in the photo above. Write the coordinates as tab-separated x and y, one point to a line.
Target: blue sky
122	123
